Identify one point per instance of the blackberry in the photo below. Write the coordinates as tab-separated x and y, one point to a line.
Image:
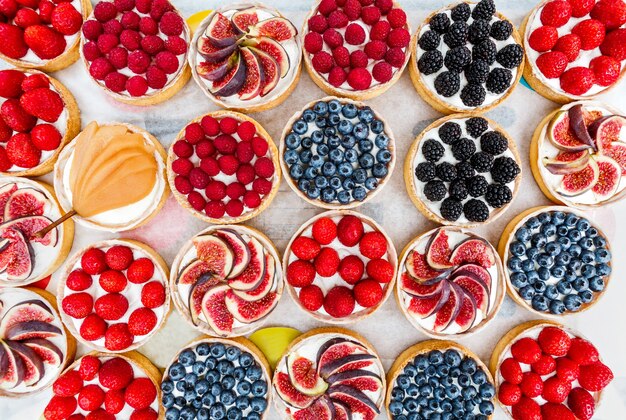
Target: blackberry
477	72
425	171
451	209
458	190
484	10
510	56
477	185
478	31
473	94
435	190
501	30
463	149
457	59
446	172
456	35
430	62
486	51
461	12
440	23
464	170
450	132
476	211
447	83
504	170
429	41
482	161
493	142
498	195
499	80
475	126
432	150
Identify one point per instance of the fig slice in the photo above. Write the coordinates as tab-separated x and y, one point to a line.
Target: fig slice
270	70
29	310
192	272
336	348
617	152
31	329
16	258
364	380
606	130
221	31
419	290
254	77
213	54
288	393
277	28
252	275
579	182
215	311
216	253
230	84
578	125
567	162
467	314
418	268
610	174
241	252
321	409
266	284
304	376
34	369
196	295
358	401
15	370
449	311
438	251
4	362
342	410
46	350
425	307
243	19
216	71
6	191
25	202
475	271
273	49
248	312
30	225
349	362
561	135
474	251
477	290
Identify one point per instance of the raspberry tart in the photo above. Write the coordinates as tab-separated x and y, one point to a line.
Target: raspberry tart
434	378
337	153
450	282
557	261
98	161
223	168
329	373
340	267
578	155
466	57
136	51
462	170
545	370
41	34
356	49
107	386
34	345
214	378
226	280
246	57
575	49
113	295
27	207
38	117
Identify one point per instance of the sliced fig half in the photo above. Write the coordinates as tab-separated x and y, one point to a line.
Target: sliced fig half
476	271
32	329
474	251
477	289
241	252
29	310
192	272
6	191
358	401
266	284
34	369
304	375
4	362
254	77
425	307
15	368
448	312
349	362
606	130
342	410
213	54
243	19
567	162
608	178
467	314
253	274
580	182
288	393
617	152
269	69
25	202
230	84
218	70
16	258
30	225
578	125
221	31
562	136
364	380
321	409
273	49
246	311
46	350
196	295
215	311
277	28
336	348
418	268
413	288
216	253
438	251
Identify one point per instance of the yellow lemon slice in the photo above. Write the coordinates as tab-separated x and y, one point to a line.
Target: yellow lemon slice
194	20
274	341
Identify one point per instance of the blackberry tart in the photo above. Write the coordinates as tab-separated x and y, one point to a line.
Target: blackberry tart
462	171
436	377
557	261
337	153
466	57
214	378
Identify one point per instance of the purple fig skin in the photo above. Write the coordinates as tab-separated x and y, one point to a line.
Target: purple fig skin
331	367
216	73
332	342
440	286
42	343
236	81
211	55
238	246
443	298
34	195
558	167
354	393
4	362
217	39
484	288
202	280
266	45
465	271
267	84
29	354
8	319
351	374
458	292
246	11
21	330
258	258
14	362
264	287
190	266
577	124
340	405
594	128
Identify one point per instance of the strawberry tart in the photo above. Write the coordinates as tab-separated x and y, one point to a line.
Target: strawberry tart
466	57
113	295
434	379
136	51
578	155
543	369
215	378
38	116
450	283
356	48
223	167
34	345
226	280
246	57
557	261
107	386
41	34
340	267
575	48
28	206
462	170
329	373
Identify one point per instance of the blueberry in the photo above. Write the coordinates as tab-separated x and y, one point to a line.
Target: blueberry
167	386
583	225
545	260
259	388
435	357
308	115
586	296
321	181
433	404
197	403
562	231
359	193
572	302
558	218
383	156
334	119
181	386
575	250
412	390
296	171
351	155
377	126
562	259
291	157
329	169
381	141
397	393
528	265
167	400
564	242
202	386
527	292
538	240
603	255
592	232
479	377
596	284
311	173
305	156
519	280
453	391
468	392
322	150
254	373
548	229
563	287
300	127
517	248
599	242
242	402
343	197
330	131
553	248
190	395
486	391
329	195
304	184
533	223
396	408
258	404
403	381
227	397
198	368
532	276
203	414
306	143
571	219
228	382
180	401
188	413
574	235
172	413
208	399
320	108
532	253
313	192
365	146
336	156
464	379
543	273
360	131
366	115
539	286
587	257
438	392
421	362
452	358
588	271
216	389
523	234
380	170
177	371
187	357
551	292
486	408
253	416
586	243
426	390
225	367
334	106
603	269
575	264
557	307
366	160
570	275
217	411
558	271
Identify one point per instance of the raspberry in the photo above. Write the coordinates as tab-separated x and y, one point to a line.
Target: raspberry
137	86
196	200
229	125
544	365
305	248
112	27
351	269
262	186
235	190
556	13
131	40
526	350
215	209
368	293
171	24
384	5
143	6
339	302
322	62
341	55
327	262
591	33
89	367
112	281
78	280
111	306
595	377
215	190
569	45
118	337
182	166
358	59
228	164
326	7
104	11
68	384
264	167
611	13
106	42
567	369
176	44
153	294
337	19
183	149
552	64
246	131
260	146
115	81
337	76
509	394
311	297
554	341
355	34
60	407
605	69
93	261
552	411
245	154
118	57
35	81
91	396
158	8
511	371
375	50
152	44
45	137
130	20
395	57
333	38
183	185
581	403
123	5
26	17
92	29
359	79
531	384
370	15
614	44
251	199
577	80
138	61
140	271
318	24
352	9
100	67
399	38
313	42
156	77
397	18
142	321
210	126
556	389
115	373
543	38
93	328
167	61
382	72
194	132
198	178
234	208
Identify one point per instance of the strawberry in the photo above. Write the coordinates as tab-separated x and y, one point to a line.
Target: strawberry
555	389
605	69
118	337
8	8
93	327
22	152
569	45
577	80
26	17
552	64
12	41
531	384
595	377
119	257
90	397
554	341
114	401
368	293
34	81
380	270
305	248
77	305
311	297
581	8
111	306
509	394
349	230
153	294
145	414
140	393
68	384
45	42
89	367
544	365
591	33
511	371
300	273
45	137
16	117
46	7
60	408
526	350
140	271
543	38
43	103
581	403
142	321
339	302
373	245
556	13
115	373
351	269
93	261
78	280
552	411
583	352
566	369
10	83
526	409
614	44
66	19
612	13
5	131
327	262
324	230
99	414
112	281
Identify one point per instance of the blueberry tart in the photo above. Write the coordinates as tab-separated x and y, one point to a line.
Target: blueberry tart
557	261
466	57
462	171
214	378
337	153
434	378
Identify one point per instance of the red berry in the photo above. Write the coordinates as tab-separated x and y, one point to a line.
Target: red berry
543	38
215	209
349	230
375	50
262	186
251	199
370	15
78	280
259	146
205	148
119	257
215	190
605	69
246	131
111	306
26	17
142	321
228	164
509	394
552	64
373	245
153	294
569	45
167	61
245	153
114	401
115	373
89	367
106	42
198	178
313	42
156	77
235	190
552	411
234	208
526	409
311	297
12	81
171	24
545	365
131	40
341	55
318	24
395	57
384	5
577	80
137	86
339	302
380	270
225	144
196	200
567	369
305	248
92	29
130	20
556	13
228	125
300	273
358	59
183	149
66	19
352	9
35	81
45	137
337	76
68	384
104	11
322	62
100	67
591	33
113	27
93	328
176	45
118	337
22	152
182	166
380	31
531	384
355	34
338	19
93	261
368	293
556	389
382	72
595	377
210	166
112	281
140	271
351	269
612	13
526	350
359	79
614	44
399	37
554	341
326	7
581	8
60	407
91	396
140	393
183	185
16	117
12	41
327	262
397	18
118	57
264	167
511	371
581	403
324	230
